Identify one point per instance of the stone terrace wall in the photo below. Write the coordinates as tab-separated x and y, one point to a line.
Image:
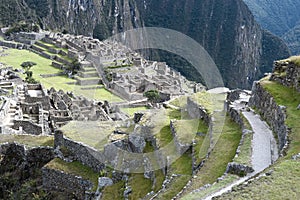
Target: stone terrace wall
60	181
291	77
86	155
273	113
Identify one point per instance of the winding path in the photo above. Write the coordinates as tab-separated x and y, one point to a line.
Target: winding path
264	150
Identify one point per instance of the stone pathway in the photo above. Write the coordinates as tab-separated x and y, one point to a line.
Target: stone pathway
264	147
264	150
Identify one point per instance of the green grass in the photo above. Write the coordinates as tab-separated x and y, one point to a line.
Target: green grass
94	134
179	101
176	186
210	102
284	181
244	156
220	156
160	177
114	192
53	46
75	168
140	186
294	59
213	188
282	184
16	57
164	137
28	140
183	165
131	111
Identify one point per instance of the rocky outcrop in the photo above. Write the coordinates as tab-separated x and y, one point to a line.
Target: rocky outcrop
238	169
271	112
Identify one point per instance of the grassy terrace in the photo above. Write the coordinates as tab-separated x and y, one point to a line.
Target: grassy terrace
94	134
220	156
28	140
75	168
16	57
245	154
284	181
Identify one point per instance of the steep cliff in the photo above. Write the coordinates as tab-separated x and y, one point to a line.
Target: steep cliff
282	18
225	28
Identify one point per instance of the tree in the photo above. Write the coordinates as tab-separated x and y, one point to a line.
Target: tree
27	65
29	74
74	67
152	95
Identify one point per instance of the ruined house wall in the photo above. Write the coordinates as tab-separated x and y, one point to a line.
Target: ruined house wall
28	127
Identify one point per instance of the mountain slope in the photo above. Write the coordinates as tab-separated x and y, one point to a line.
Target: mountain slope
276	16
282	18
225	28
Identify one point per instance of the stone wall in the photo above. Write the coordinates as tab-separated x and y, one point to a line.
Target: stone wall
195	111
287	73
13	45
274	114
60	181
85	154
28	127
181	146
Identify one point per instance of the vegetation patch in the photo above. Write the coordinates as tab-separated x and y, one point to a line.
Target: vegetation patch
43	66
283	183
131	111
140	186
115	191
210	102
244	157
227	180
179	101
174	187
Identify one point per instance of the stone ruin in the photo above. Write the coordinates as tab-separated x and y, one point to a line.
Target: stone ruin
34	110
148	75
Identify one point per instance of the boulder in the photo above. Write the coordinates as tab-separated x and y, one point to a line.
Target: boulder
104	181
